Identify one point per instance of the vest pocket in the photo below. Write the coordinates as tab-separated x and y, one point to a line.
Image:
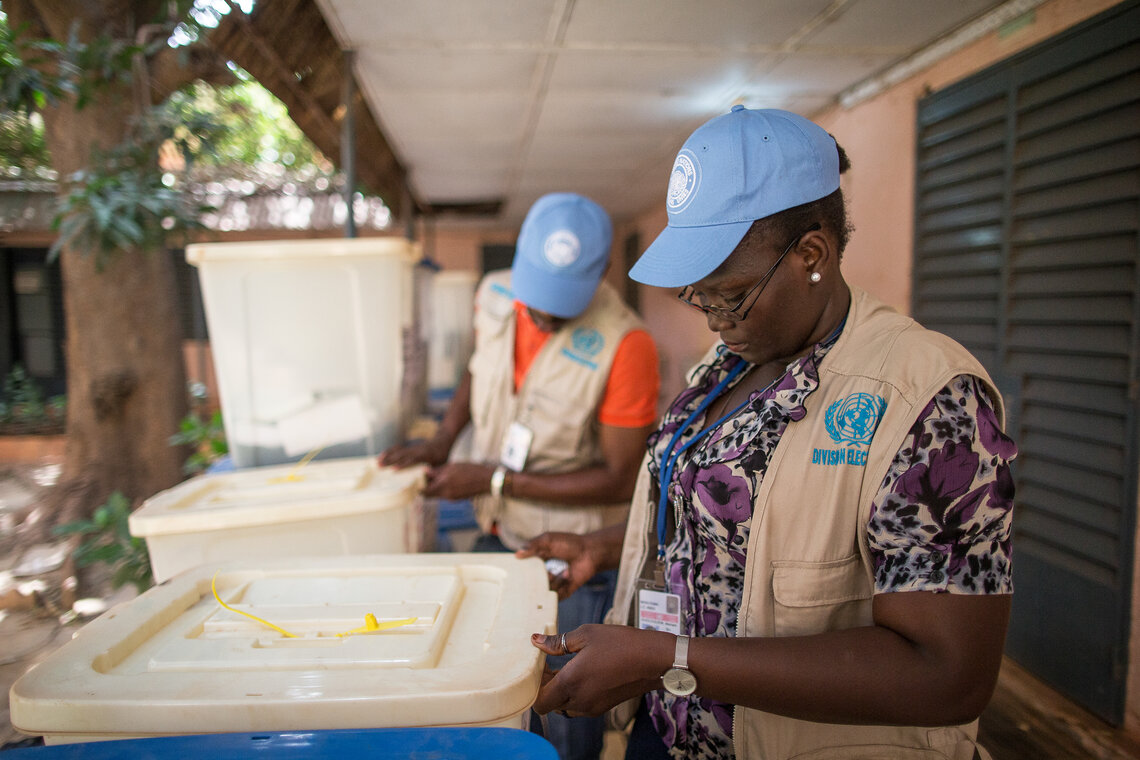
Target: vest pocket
810	597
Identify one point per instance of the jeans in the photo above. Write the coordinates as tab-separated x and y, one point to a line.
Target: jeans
644	741
574	738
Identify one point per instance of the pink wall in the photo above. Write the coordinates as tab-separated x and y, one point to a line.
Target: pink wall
459	248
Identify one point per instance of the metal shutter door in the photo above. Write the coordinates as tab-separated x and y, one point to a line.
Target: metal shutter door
1026	251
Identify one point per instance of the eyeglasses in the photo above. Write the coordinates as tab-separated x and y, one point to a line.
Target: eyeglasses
688	293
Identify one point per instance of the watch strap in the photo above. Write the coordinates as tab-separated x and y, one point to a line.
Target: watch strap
497	479
681	653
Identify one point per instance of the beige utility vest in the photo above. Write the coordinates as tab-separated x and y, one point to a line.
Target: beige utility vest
557	402
808	567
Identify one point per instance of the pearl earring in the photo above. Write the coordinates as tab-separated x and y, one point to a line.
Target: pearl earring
815	277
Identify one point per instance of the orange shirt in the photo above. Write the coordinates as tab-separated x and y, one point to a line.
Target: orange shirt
630	399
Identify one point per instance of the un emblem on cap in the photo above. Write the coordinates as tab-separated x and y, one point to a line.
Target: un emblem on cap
561	248
683	182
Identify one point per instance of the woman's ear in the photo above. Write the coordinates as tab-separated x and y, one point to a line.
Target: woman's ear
817	251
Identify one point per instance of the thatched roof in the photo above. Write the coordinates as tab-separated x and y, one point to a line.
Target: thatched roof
289	49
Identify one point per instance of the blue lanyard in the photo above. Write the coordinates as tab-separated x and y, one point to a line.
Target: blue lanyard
671	456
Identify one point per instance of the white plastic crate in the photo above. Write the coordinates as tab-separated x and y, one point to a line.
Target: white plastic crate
173	661
451	329
331	508
308	339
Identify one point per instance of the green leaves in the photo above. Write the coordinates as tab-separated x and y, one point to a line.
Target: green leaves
109	541
122	202
25	85
208	437
239	127
38	72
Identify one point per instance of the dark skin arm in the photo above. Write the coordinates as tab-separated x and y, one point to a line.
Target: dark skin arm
586	555
608	482
929	659
435	451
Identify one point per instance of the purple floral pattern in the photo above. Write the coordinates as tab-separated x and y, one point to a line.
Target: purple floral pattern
941	519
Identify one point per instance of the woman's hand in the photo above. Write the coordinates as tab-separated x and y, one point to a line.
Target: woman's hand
571	547
611	663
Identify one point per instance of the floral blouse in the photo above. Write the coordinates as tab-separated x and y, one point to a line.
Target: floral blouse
940	521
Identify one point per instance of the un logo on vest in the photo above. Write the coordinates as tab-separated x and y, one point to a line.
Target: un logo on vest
587	341
853	419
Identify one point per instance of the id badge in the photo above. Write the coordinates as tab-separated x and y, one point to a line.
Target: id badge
658	609
516	446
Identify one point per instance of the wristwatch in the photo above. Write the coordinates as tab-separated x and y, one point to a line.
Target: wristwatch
679	679
498	478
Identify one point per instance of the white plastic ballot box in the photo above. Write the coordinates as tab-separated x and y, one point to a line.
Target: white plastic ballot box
330	508
308	339
175	661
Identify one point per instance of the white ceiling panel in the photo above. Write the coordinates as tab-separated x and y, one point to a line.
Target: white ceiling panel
819	74
404	23
465	118
467	185
712	24
447	70
895	25
689	76
510	99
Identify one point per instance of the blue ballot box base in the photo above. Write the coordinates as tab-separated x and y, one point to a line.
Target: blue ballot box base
387	743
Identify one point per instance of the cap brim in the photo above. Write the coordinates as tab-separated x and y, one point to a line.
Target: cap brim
682	255
562	296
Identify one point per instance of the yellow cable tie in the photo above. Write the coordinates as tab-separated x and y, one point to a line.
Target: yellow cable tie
292	474
371	625
214	588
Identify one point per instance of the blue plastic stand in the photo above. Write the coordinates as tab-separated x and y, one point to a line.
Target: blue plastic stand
385	743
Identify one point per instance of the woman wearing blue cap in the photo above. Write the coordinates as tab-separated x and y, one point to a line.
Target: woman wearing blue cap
817	562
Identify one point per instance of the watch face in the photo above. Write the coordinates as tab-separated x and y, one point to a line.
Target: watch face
679	682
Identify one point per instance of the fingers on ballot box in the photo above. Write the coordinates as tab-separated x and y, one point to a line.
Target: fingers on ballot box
361	642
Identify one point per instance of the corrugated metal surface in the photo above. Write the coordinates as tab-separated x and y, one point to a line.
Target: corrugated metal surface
1028	211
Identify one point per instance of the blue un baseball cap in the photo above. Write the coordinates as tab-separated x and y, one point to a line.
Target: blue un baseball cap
734	169
561	255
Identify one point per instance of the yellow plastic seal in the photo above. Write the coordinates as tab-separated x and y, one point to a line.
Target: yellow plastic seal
371	625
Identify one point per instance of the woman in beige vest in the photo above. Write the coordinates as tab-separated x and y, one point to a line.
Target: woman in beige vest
817	563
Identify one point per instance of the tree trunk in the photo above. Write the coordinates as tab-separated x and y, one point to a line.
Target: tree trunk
126	385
